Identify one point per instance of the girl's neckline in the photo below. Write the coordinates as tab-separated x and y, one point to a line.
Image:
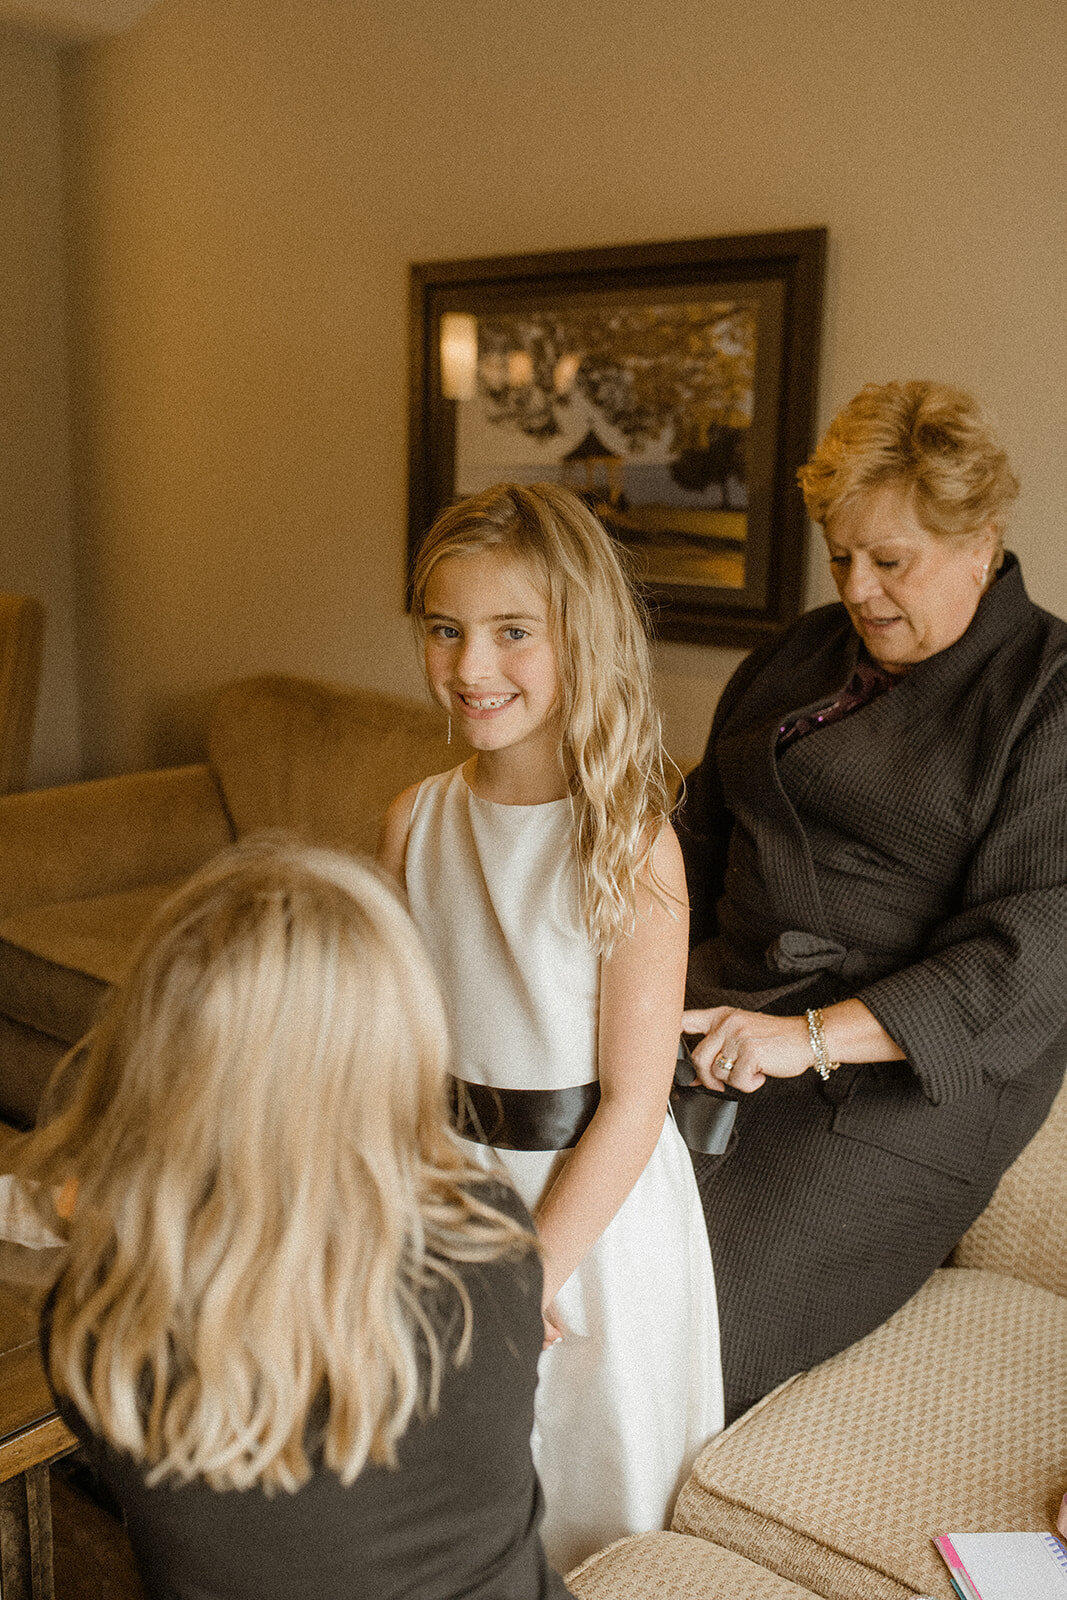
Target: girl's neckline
508	805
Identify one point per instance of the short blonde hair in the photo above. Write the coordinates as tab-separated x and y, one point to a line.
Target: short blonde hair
926	436
611	742
267	1183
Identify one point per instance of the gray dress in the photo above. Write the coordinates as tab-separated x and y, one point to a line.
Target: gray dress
914	855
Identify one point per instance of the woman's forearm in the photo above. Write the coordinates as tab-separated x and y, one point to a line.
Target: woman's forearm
762	1046
853	1033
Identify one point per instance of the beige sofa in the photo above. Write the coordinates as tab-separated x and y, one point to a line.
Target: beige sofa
952	1416
83	867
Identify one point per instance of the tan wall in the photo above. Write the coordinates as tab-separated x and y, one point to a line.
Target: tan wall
36	555
71	20
251	178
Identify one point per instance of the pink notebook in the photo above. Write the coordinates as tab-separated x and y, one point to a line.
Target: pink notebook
1005	1566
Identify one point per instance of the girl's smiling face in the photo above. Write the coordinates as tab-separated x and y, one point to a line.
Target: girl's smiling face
490	659
910	593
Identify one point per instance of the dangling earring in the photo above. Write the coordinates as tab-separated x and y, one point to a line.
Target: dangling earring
982	575
450	730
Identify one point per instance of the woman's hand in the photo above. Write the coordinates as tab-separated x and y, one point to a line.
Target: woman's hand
780	1047
759	1046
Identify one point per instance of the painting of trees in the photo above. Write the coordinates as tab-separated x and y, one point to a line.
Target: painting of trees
677	372
672	384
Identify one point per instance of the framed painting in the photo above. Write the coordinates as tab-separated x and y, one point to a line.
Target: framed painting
672	385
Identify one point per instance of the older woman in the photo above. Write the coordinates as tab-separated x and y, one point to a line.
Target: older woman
876	850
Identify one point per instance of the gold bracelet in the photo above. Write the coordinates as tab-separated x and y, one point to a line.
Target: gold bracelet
822	1063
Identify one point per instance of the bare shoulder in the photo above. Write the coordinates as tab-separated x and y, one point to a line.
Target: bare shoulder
665	873
393	839
667	858
643	975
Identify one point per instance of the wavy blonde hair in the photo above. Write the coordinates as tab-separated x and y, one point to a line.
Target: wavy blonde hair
269	1195
611	743
930	437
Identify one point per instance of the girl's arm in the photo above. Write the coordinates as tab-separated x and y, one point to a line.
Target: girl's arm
642	985
393	839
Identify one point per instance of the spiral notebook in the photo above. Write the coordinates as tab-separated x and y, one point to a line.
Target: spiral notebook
1005	1566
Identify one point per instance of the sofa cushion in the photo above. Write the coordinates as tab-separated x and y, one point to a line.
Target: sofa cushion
950	1417
1023	1230
319	759
672	1566
86	839
27	1060
57	961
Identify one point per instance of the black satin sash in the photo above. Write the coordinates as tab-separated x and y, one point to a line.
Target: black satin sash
522	1119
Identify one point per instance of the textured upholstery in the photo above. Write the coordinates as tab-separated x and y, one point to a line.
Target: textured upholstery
109	835
82	867
91	936
28	1058
951	1416
1023	1230
672	1566
21	640
322	760
56	961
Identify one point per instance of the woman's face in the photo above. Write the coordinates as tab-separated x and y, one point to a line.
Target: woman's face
909	592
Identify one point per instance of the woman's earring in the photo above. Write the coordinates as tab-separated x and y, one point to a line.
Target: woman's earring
982	575
450	730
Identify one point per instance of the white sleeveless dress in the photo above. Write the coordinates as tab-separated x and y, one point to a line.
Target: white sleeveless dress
634	1389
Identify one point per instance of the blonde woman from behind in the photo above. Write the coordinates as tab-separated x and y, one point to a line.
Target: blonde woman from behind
297	1328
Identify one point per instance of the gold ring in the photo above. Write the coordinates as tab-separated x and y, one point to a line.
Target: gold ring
725	1066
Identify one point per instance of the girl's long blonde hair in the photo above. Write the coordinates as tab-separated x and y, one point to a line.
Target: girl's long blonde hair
611	741
269	1196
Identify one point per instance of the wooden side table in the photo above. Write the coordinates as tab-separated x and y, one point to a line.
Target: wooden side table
31	1434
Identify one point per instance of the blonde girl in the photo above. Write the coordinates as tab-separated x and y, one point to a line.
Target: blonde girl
548	884
290	1296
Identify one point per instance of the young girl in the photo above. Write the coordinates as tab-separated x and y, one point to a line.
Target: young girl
297	1329
548	885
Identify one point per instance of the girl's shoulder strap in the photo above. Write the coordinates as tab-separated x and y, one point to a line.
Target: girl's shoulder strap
396	827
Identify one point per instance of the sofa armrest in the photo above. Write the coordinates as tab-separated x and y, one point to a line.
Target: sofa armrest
107	835
1022	1230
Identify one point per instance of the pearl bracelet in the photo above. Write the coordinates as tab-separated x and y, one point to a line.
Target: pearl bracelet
822	1063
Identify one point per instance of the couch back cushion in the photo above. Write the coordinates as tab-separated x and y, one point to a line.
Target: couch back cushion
320	759
1023	1230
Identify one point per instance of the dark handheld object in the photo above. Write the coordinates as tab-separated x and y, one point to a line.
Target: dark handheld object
705	1119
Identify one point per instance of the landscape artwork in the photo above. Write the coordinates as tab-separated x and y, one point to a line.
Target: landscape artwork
673	386
644	408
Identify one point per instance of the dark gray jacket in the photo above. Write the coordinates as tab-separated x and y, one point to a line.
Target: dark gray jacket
914	855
